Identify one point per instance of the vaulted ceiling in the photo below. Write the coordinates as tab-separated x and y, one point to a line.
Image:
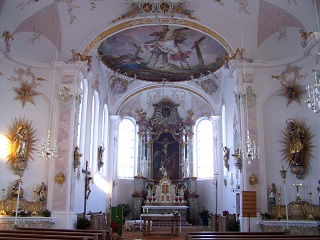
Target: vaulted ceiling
160	41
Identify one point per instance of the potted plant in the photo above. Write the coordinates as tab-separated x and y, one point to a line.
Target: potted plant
234	225
126	209
83	223
204	215
47	213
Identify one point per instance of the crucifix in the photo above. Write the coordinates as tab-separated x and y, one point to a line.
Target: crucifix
297	186
87	189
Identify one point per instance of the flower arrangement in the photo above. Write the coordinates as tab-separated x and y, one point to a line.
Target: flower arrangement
175	213
225	213
21	212
114	226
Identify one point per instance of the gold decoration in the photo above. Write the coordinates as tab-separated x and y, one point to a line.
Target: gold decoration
288	79
253	180
22	139
28	82
25	93
60	178
297	146
76	157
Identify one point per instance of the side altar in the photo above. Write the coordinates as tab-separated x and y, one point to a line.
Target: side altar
164	181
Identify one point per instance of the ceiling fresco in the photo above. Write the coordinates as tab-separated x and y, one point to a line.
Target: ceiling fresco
162	53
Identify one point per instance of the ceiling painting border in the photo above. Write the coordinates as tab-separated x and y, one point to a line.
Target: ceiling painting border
149	21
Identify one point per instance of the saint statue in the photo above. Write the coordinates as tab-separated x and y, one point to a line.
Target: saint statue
297	139
272	194
21	141
42	192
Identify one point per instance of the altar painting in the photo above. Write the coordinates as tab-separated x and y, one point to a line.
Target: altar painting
165	152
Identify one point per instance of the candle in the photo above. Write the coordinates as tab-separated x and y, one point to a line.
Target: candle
279	189
309	188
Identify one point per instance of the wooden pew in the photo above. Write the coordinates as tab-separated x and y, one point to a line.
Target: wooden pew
207	233
97	234
13	234
244	235
292	237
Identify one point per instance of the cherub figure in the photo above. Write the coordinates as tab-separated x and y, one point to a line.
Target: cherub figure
7	36
80	57
304	36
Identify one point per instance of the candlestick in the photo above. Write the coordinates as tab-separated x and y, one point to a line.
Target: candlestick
279	205
18	198
34	212
311	217
2	211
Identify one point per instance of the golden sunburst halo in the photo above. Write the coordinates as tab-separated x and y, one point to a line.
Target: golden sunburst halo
307	145
25	93
18	128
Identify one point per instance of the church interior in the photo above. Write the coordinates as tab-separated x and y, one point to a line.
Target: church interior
163	106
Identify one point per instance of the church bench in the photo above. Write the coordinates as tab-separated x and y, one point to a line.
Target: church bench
91	235
314	237
206	233
258	236
24	236
100	234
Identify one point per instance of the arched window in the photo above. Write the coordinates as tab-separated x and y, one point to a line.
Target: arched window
82	115
126	148
105	133
94	131
204	149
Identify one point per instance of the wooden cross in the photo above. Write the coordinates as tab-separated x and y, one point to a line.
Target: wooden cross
87	189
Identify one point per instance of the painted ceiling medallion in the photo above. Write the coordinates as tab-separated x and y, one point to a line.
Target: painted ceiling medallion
166	52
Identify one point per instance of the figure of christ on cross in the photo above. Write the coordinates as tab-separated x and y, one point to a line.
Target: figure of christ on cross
87	189
298	198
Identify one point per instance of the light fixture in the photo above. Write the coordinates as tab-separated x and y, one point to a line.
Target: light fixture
249	150
313	93
48	150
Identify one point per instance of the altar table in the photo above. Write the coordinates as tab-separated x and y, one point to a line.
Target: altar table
297	227
129	225
165	209
7	222
173	219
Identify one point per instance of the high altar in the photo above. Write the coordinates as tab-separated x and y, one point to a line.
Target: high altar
165	181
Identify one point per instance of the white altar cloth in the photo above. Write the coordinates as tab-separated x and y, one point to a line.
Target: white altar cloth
291	223
165	207
7	219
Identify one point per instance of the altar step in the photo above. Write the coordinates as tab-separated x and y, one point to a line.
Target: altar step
161	224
